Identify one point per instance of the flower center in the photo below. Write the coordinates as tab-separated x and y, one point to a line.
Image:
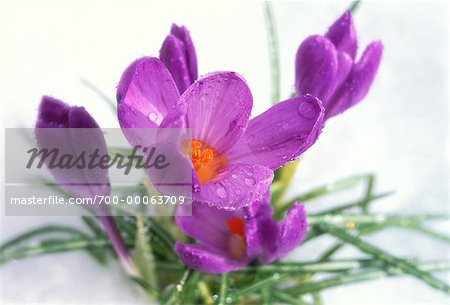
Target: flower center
206	161
236	241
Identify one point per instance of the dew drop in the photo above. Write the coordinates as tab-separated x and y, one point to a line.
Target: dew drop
234	176
221	193
152	116
249	181
196	188
179	288
307	110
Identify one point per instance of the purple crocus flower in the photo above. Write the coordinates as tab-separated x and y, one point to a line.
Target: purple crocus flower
229	240
325	67
178	54
86	182
233	159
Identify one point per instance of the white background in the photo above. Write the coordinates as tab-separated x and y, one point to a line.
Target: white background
399	132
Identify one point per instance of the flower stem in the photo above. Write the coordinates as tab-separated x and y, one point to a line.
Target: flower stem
223	289
271	280
205	293
273	51
178	288
326	266
118	245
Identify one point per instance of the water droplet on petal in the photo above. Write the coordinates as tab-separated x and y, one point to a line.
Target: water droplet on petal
234	176
221	193
249	181
196	188
307	110
152	116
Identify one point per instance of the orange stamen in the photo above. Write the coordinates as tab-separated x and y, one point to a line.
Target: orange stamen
236	241
207	163
236	226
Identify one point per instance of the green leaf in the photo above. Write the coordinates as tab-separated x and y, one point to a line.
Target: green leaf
223	289
401	264
143	256
272	37
327	189
363	275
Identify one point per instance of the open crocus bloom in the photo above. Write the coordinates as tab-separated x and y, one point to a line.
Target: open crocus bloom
325	67
233	159
229	240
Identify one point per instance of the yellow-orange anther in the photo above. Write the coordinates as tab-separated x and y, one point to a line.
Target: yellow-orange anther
236	241
206	162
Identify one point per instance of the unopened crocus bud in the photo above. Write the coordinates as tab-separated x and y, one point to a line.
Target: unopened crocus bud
325	67
178	55
71	131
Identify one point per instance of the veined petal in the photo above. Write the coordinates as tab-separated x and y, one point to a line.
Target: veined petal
291	231
342	34
281	134
358	82
198	258
316	66
147	88
219	105
237	186
178	54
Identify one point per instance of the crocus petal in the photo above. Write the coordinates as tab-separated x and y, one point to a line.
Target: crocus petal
261	235
358	81
219	105
345	64
178	54
54	115
291	231
342	34
207	224
147	88
316	66
237	186
198	258
280	134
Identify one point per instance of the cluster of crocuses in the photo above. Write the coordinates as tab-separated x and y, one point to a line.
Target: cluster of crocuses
233	157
